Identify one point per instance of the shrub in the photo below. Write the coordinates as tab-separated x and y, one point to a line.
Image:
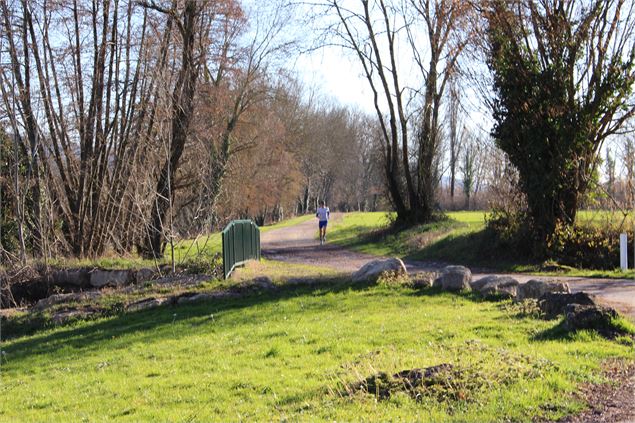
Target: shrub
507	233
586	246
212	266
390	278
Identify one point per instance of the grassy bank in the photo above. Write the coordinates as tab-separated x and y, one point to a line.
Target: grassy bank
457	240
367	232
298	353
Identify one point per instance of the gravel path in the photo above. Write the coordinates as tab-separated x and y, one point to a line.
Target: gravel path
299	244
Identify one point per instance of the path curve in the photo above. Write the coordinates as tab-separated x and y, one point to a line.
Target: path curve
299	244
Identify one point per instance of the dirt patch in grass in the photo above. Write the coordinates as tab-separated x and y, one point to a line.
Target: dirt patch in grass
449	383
613	401
441	381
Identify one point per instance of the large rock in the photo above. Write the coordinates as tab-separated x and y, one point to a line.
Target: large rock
45	303
555	303
101	278
501	286
189	298
423	279
536	288
373	269
64	316
75	277
146	304
144	274
454	278
578	316
262	282
479	284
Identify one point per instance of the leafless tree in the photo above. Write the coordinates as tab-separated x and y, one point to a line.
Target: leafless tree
374	30
83	107
191	23
455	134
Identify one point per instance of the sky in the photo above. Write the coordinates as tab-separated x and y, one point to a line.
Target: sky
333	73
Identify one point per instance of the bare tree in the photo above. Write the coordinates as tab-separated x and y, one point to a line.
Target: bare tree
432	30
242	79
84	100
628	160
455	135
22	116
190	22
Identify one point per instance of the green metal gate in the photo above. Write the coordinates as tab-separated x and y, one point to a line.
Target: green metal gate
241	242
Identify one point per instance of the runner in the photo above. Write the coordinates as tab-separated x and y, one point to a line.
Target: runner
323	214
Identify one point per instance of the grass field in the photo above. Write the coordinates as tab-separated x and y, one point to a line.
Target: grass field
297	354
454	240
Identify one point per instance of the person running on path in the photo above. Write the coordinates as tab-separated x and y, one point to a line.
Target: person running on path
323	214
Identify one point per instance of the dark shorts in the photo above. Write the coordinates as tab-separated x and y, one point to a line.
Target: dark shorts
323	223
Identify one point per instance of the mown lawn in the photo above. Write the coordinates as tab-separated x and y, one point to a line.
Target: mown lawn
457	240
296	354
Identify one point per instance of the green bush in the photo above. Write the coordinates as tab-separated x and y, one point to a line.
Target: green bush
586	246
508	234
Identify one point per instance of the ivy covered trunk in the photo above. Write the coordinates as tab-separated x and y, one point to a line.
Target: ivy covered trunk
562	88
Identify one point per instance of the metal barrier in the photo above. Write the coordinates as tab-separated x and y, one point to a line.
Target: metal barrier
241	242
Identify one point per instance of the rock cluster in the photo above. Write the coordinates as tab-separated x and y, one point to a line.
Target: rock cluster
496	286
580	310
69	311
553	304
98	278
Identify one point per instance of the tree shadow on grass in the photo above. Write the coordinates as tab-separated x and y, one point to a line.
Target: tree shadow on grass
475	249
434	292
88	336
556	333
358	236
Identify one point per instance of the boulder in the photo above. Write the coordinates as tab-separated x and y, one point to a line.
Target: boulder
64	316
189	298
259	283
555	303
536	288
263	282
578	316
145	274
423	280
45	303
373	269
479	284
101	278
502	286
146	304
454	278
75	277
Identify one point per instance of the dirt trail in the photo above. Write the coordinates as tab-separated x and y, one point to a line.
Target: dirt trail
299	244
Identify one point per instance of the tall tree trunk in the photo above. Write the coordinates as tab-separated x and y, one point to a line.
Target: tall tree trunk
182	109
